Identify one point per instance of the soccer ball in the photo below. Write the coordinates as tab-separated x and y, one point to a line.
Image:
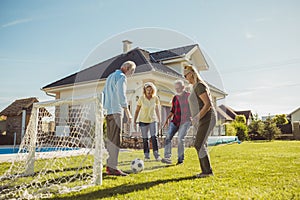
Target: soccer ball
137	165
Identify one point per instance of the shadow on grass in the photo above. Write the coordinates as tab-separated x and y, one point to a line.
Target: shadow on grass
59	180
149	169
124	189
261	141
124	163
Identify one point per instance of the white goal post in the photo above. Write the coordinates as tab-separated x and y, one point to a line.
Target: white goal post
63	145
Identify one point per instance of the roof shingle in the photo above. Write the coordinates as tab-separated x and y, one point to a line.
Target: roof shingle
171	53
103	69
17	106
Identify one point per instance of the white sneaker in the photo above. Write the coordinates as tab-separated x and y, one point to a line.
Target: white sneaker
166	160
158	159
147	159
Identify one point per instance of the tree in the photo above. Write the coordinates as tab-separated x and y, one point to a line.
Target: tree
241	130
255	117
238	128
280	119
256	129
240	119
271	130
230	129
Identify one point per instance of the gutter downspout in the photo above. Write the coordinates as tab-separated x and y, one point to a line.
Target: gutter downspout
23	122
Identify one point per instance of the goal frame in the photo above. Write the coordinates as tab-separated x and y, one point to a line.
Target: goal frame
99	118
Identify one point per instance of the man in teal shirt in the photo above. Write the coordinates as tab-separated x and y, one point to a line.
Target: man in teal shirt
115	102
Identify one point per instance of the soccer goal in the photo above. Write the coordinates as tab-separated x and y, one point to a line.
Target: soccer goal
61	151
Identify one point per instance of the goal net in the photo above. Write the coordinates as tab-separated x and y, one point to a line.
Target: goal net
61	151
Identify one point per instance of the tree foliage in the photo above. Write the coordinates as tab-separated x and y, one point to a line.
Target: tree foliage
271	130
238	128
241	130
240	119
280	119
230	129
256	129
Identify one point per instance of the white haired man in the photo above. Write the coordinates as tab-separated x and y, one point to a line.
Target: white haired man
115	102
180	114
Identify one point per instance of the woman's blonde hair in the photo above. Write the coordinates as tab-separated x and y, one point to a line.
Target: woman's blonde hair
149	84
196	75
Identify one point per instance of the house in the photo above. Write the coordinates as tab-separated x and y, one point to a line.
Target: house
223	117
162	68
227	114
295	115
16	113
295	120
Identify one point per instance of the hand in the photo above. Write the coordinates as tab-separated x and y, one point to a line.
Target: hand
195	119
129	120
166	123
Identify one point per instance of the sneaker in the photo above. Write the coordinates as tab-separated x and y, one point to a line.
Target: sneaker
204	175
158	159
179	163
147	159
166	160
115	172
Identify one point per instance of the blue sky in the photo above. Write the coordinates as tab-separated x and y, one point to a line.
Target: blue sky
254	45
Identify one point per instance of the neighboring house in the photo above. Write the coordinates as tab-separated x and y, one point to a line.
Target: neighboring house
295	115
162	68
295	120
13	122
223	117
227	114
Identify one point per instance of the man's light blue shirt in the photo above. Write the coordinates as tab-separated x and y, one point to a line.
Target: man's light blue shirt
115	93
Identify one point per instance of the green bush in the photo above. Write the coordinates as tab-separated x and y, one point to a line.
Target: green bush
237	129
280	119
241	130
240	119
256	129
271	130
230	130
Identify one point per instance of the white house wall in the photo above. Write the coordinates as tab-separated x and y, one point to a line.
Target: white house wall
164	83
295	117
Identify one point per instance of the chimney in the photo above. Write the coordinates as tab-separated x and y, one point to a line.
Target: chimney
126	46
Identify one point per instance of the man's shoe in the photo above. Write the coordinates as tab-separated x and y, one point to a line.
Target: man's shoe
204	175
158	159
115	172
166	161
179	163
147	159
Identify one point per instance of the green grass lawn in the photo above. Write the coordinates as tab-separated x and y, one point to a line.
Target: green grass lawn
251	170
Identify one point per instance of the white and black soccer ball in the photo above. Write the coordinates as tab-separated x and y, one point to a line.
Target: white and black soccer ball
137	165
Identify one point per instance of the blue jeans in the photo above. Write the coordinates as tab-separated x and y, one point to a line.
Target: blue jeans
145	127
182	131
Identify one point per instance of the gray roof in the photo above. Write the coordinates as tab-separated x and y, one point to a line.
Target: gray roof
15	108
103	69
171	53
144	60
